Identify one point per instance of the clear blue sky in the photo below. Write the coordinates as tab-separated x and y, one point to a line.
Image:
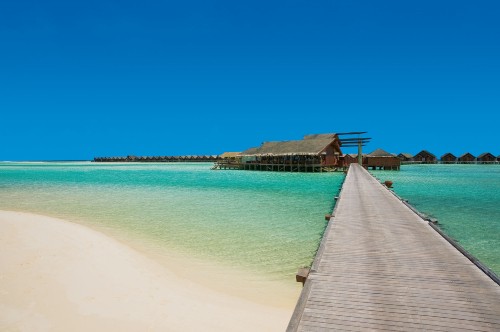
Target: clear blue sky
80	79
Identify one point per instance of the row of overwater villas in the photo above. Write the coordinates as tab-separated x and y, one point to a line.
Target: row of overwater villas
322	152
159	159
449	158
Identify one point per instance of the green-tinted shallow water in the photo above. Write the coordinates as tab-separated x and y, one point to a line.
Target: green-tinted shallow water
270	222
267	221
464	198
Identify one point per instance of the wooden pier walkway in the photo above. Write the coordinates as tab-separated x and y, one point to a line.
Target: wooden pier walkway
381	267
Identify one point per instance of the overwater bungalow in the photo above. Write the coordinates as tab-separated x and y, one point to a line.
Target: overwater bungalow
380	159
466	158
425	157
351	158
314	153
231	156
405	156
131	158
486	158
448	158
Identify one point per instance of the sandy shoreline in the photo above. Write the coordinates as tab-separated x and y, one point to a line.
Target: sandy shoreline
60	276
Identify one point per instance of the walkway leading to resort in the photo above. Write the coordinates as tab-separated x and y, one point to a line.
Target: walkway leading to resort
381	267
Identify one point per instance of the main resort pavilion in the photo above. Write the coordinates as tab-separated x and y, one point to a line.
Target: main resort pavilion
314	153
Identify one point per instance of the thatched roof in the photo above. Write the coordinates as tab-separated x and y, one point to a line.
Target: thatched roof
310	146
352	155
406	155
250	152
448	154
380	153
486	154
230	154
425	152
322	136
467	154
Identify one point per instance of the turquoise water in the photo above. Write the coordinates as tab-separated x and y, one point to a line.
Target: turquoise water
265	221
464	198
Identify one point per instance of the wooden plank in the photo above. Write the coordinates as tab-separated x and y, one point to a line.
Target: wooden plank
380	266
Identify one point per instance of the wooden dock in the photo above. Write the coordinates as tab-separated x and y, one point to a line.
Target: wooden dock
277	167
381	267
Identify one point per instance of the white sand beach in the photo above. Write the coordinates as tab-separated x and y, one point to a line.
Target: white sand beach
61	276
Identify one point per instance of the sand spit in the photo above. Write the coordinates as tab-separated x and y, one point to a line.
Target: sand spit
60	276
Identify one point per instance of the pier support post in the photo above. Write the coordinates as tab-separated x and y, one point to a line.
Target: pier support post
360	153
302	275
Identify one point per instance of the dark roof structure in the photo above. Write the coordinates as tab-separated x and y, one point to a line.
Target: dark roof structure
487	155
466	154
448	154
425	152
380	153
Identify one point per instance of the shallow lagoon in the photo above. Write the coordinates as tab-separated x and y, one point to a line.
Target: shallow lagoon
265	221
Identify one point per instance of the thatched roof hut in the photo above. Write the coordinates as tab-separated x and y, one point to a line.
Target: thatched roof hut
230	155
311	146
425	156
403	156
323	148
380	153
383	160
486	157
466	157
351	158
448	158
